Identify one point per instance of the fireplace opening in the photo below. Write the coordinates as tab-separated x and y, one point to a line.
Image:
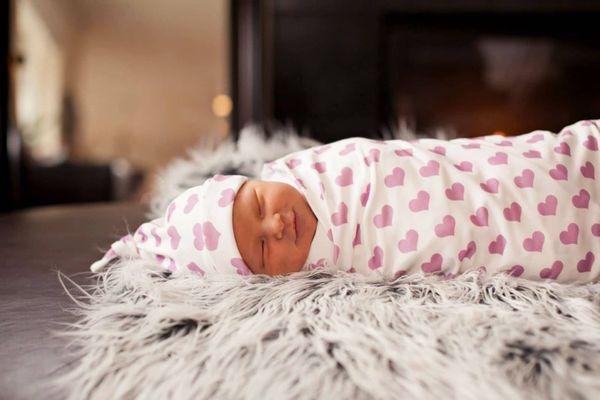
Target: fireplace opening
473	74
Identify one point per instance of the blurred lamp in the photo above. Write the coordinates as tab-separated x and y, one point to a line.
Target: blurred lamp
222	105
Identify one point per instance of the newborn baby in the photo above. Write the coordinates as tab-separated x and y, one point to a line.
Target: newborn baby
527	206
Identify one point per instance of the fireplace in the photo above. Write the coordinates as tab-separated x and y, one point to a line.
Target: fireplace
338	69
478	73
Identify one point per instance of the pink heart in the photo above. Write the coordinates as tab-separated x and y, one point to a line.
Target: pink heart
372	157
446	228
455	192
549	206
448	276
567	132
198	238
525	180
320	263
432	168
191	202
364	196
587	123
227	197
321	191
385	218
513	213
377	260
535	243
410	243
143	236
434	264
193	267
563	148
516	270
504	143
559	173
591	143
596	230
170	211
585	264
211	235
471	146
582	199
570	235
330	235
464	166
588	171
439	150
174	235
322	149
420	203
552	273
293	163
480	218
340	217
336	253
156	237
345	177
532	154
320	167
399	273
468	252
240	266
535	138
357	240
491	185
499	158
404	152
395	179
497	246
348	149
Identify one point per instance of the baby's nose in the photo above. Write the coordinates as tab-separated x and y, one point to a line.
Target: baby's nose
274	226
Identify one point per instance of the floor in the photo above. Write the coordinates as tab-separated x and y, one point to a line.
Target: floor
34	245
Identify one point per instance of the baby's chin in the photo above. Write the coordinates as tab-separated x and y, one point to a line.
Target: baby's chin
286	270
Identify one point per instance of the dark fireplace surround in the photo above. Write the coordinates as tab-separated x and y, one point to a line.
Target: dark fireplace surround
356	68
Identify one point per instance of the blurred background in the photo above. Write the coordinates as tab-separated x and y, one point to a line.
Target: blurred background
97	95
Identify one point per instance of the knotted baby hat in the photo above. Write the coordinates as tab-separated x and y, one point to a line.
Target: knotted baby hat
195	234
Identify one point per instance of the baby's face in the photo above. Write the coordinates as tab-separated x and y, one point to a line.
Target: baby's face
273	227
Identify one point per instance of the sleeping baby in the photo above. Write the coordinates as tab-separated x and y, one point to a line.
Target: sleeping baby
527	206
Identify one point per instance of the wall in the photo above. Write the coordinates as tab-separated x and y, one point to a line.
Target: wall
142	75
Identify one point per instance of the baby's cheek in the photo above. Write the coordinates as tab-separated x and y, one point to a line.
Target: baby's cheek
287	260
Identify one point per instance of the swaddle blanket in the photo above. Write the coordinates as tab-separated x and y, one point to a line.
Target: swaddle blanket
527	205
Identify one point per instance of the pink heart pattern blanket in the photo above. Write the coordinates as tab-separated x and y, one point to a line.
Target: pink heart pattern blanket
528	206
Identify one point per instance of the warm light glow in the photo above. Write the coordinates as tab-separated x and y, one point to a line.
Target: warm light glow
499	133
222	105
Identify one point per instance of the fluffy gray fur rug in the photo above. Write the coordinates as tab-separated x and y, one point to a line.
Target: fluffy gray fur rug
143	334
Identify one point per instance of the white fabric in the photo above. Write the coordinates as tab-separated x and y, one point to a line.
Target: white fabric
396	207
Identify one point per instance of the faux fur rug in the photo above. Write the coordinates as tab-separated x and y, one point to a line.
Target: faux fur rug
312	335
143	334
